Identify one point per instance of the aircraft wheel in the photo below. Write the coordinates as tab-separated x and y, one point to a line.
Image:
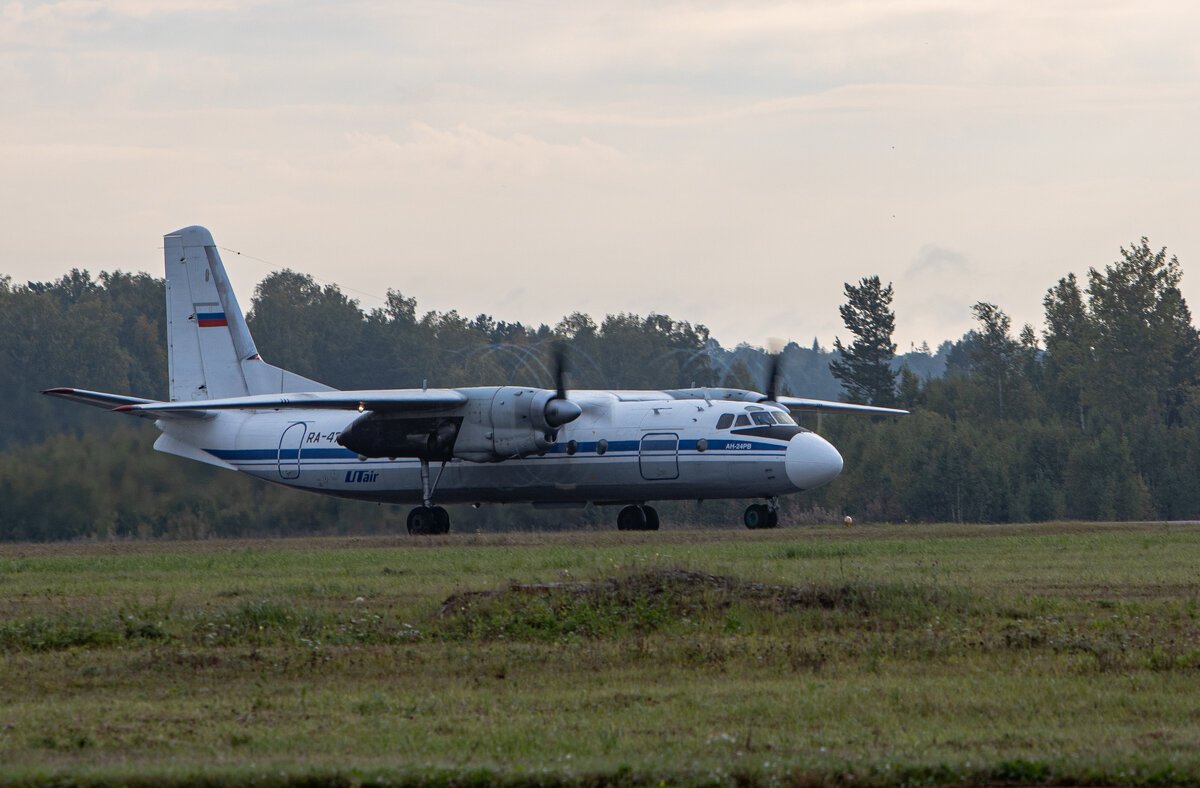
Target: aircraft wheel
651	515
631	518
441	520
772	518
757	516
422	521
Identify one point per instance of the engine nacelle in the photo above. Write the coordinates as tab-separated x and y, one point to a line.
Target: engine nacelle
516	422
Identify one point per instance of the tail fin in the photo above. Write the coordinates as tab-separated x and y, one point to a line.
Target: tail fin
209	348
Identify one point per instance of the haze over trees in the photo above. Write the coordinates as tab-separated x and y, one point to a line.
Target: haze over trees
1094	416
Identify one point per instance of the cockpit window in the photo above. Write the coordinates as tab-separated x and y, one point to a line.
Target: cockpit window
762	417
742	420
725	420
784	418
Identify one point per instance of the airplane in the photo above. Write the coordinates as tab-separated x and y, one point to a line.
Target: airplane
482	444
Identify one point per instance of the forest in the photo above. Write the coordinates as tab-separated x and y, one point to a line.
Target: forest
1094	416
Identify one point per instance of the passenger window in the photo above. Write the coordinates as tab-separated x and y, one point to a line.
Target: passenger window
742	421
725	420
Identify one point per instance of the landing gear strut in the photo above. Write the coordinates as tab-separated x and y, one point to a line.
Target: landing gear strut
637	518
761	515
428	520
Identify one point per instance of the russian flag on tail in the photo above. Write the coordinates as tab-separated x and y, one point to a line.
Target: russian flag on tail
211	319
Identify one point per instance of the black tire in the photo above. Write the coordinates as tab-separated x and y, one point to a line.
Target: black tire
651	516
772	518
756	516
422	521
441	520
631	518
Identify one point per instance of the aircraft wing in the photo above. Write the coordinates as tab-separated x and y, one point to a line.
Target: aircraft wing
378	400
825	406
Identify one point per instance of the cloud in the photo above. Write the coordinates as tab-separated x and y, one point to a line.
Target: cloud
728	163
934	262
469	150
767	48
66	21
47	24
935	292
141	9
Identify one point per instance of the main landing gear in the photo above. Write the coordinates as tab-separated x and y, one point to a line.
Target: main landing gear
762	515
637	518
645	518
428	520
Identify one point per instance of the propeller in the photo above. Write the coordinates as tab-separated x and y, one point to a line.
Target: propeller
560	410
774	360
559	352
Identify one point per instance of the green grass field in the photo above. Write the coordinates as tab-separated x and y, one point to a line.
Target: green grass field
878	655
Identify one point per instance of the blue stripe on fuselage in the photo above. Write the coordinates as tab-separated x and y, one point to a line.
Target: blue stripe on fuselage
243	455
743	447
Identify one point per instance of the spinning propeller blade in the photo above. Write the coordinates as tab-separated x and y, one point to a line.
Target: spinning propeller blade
559	351
774	359
560	410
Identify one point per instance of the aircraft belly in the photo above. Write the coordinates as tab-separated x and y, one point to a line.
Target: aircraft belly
308	457
546	479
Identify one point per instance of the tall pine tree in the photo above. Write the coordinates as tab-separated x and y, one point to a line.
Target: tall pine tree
865	367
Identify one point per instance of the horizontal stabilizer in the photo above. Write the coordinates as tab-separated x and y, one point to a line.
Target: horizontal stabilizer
112	402
97	399
378	400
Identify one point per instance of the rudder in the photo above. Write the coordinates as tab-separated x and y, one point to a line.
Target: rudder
210	352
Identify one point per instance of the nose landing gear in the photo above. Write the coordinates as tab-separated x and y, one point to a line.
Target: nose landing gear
637	518
762	515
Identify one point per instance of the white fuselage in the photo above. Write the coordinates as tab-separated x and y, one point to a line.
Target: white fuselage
626	447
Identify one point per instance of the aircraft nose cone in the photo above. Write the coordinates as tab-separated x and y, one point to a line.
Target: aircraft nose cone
811	461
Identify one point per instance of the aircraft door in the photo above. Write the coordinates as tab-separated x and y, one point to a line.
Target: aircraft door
658	456
289	450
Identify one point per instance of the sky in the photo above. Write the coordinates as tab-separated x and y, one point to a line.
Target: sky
726	163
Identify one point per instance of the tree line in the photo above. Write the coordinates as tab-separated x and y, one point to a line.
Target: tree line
1093	417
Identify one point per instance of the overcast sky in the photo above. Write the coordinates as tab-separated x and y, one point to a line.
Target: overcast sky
731	164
